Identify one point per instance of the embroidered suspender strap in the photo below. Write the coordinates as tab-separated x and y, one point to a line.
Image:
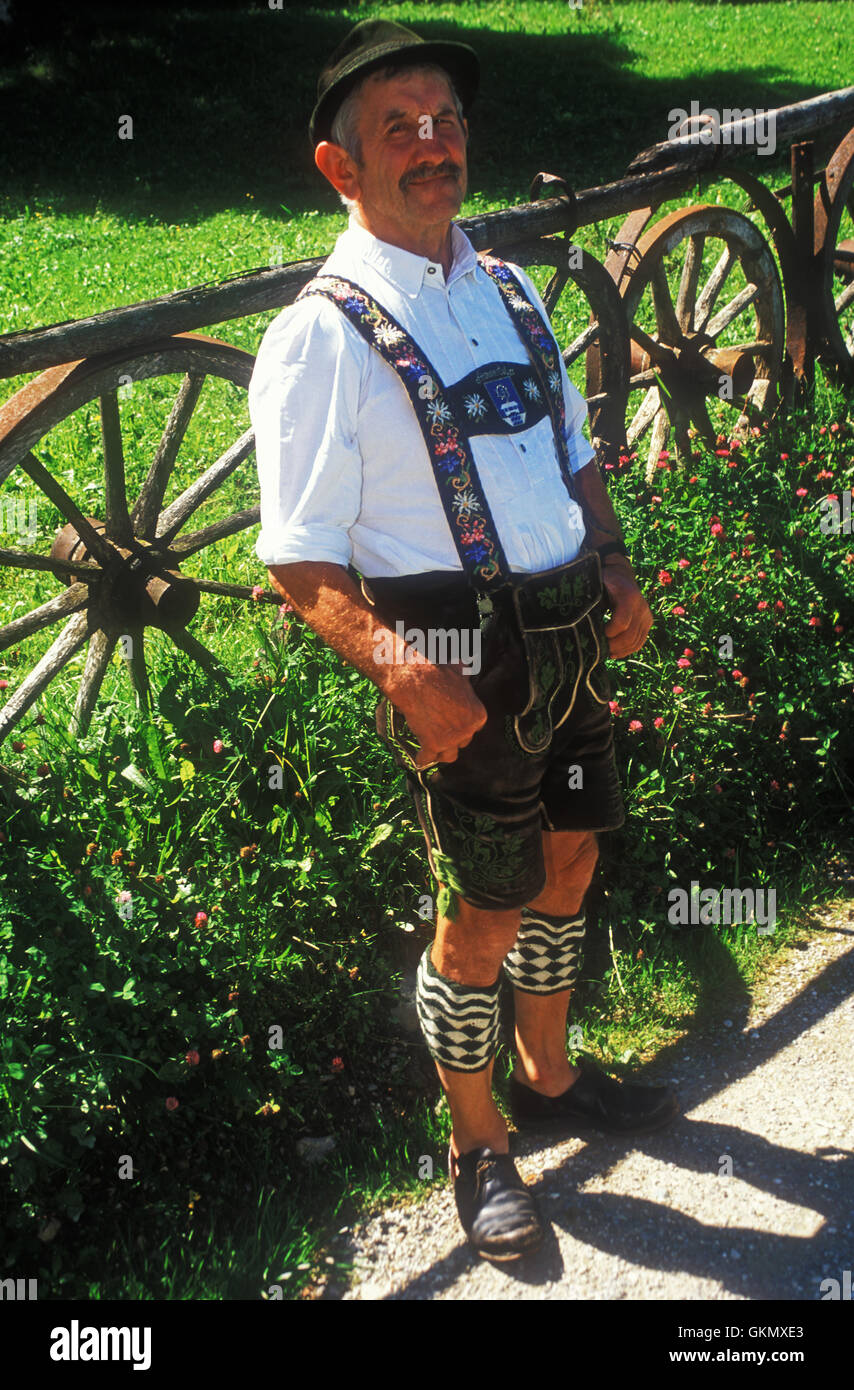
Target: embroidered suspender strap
466	508
543	351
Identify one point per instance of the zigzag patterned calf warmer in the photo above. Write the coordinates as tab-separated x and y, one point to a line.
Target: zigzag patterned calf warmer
459	1022
545	954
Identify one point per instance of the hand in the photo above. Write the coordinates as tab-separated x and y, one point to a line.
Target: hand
442	711
631	618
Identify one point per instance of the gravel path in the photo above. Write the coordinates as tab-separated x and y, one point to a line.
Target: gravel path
657	1217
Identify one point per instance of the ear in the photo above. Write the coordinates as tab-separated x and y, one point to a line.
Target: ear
336	165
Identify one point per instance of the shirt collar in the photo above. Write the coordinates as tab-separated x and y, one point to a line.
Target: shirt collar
403	268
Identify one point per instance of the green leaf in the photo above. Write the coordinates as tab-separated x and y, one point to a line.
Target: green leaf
93	772
153	744
381	833
187	770
133	774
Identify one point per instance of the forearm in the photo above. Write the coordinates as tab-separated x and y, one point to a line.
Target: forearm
326	597
603	526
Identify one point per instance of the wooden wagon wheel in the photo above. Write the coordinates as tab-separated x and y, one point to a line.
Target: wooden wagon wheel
122	570
607	335
834	250
684	348
606	329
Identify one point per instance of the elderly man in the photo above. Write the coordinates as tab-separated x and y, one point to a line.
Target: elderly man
424	475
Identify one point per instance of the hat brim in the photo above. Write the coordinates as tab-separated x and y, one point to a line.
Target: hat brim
458	59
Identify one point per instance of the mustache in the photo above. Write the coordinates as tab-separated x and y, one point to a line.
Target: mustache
427	171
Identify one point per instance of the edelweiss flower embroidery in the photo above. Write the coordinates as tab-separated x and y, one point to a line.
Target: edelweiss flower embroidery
388	334
554	380
438	412
475	406
531	389
466	502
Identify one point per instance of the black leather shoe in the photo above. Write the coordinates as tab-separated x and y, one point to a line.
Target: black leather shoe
498	1213
597	1100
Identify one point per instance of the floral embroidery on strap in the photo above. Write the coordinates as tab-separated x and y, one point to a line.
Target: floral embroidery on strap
463	499
543	351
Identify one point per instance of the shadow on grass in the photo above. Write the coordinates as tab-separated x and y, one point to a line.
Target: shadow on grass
220	101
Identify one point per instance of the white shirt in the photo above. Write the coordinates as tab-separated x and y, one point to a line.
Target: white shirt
344	472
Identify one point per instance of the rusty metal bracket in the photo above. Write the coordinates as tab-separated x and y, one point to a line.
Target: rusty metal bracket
559	189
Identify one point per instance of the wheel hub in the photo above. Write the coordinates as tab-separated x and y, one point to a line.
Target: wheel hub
695	364
138	589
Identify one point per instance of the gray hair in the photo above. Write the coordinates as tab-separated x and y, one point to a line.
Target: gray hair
345	127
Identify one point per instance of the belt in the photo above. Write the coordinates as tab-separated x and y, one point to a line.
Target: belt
543	602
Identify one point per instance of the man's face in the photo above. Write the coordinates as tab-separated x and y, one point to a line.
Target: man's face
413	172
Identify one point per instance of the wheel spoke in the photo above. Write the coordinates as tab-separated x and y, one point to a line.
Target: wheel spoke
731	311
101	646
579	344
216	586
69	641
95	543
681	438
757	396
756	345
665	314
137	667
658	440
24	560
656	351
173	518
554	289
197	540
649	406
687	293
117	523
200	653
70	601
702	423
713	287
844	299
150	499
643	379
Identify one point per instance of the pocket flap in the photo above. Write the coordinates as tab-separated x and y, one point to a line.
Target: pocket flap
559	598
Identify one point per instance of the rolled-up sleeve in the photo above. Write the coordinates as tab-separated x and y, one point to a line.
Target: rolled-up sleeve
580	450
304	403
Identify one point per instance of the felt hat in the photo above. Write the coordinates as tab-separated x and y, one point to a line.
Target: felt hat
375	43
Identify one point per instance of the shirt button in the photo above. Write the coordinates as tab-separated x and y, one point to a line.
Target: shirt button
522	447
476	343
431	270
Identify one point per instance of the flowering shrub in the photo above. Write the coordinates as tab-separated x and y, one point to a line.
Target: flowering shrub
754	611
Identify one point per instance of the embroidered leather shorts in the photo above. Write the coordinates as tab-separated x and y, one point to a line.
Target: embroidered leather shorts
544	759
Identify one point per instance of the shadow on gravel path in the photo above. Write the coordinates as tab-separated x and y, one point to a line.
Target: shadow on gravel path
748	1195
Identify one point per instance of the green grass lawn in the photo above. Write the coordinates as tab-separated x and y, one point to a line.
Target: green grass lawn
262	840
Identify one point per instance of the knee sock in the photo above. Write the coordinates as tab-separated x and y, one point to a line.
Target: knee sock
459	1022
545	955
